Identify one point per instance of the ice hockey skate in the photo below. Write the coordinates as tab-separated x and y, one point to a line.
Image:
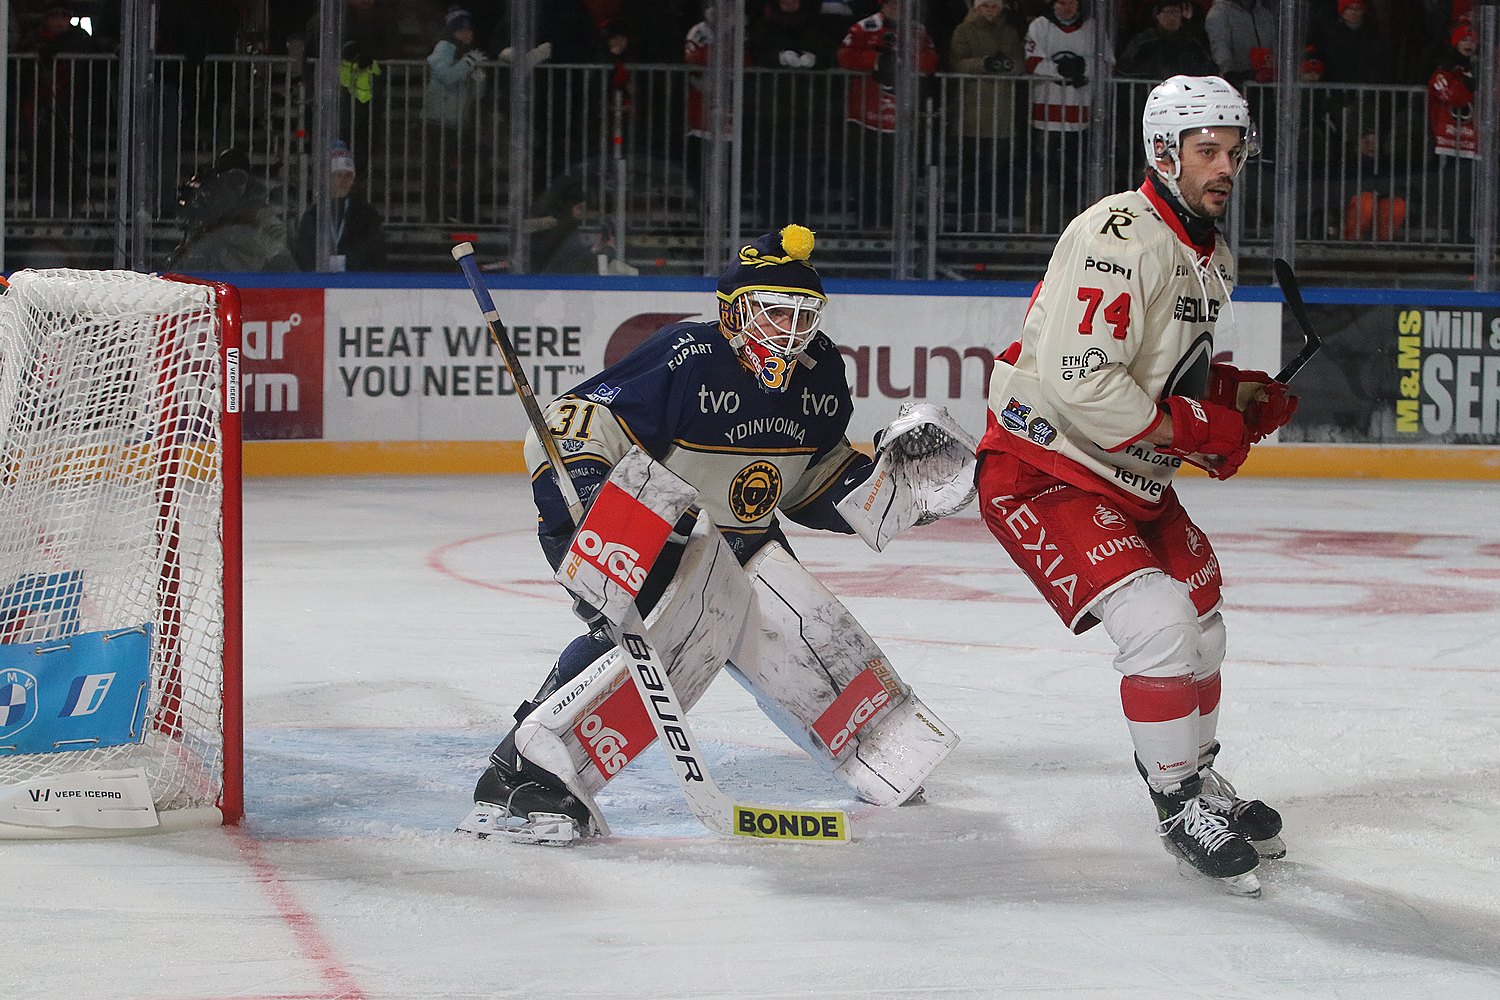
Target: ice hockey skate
515	804
1201	839
1250	818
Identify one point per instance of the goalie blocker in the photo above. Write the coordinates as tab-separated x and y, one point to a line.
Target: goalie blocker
782	635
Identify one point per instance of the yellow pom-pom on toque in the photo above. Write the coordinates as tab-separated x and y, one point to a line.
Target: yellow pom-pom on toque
797	241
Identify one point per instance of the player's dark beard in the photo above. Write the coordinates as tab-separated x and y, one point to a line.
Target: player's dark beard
1198	228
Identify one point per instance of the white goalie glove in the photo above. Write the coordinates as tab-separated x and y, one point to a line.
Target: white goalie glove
924	470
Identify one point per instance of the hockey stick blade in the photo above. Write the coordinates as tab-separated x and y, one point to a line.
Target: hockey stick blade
1290	290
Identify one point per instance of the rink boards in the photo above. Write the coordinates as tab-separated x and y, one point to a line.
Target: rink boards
382	374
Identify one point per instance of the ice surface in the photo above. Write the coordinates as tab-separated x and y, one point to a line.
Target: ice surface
393	625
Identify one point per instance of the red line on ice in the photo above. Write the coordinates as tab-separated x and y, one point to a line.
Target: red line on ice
304	928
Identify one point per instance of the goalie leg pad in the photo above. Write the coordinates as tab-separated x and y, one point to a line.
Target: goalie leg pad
588	730
819	676
891	761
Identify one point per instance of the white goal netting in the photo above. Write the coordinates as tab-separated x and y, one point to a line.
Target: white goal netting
111	523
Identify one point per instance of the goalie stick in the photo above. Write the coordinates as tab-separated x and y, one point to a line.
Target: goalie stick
714	809
1290	290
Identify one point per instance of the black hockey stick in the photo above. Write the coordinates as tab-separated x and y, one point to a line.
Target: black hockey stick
709	804
1287	279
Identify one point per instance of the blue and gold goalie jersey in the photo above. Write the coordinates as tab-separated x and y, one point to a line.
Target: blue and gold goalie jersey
686	399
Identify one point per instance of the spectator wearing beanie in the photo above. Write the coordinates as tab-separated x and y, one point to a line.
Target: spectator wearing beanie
989	51
448	102
1352	50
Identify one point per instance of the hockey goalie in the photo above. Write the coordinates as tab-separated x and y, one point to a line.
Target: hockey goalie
727	408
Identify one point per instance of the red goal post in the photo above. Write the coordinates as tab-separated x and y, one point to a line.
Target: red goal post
120	537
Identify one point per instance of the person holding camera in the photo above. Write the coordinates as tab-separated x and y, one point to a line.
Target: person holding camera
987	49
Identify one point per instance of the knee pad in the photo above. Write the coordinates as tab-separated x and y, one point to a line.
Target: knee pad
1153	624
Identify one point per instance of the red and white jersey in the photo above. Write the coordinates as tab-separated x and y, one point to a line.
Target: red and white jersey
1450	112
870	103
696	51
1055	106
1123	319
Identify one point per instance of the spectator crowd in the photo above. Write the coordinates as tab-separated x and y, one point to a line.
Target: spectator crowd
1031	61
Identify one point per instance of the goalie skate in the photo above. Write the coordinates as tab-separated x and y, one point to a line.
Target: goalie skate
511	805
548	829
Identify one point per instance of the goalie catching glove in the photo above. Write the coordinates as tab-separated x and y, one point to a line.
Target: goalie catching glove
924	470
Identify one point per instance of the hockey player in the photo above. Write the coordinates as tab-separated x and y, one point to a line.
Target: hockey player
750	410
1107	392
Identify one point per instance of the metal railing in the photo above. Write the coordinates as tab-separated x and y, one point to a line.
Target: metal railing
632	156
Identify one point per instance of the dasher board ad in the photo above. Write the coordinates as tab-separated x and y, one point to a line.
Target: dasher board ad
419	364
1402	374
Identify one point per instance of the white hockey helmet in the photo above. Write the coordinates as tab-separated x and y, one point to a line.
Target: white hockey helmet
1184	103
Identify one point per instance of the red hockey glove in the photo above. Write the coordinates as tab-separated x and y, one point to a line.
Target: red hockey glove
1272	407
1228	465
1266	403
1204	428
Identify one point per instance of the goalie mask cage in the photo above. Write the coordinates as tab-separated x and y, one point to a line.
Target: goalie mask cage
119	516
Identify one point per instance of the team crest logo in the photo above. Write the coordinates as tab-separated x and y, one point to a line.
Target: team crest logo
604	393
1194	541
1108	518
1014	417
1041	432
17	701
754	492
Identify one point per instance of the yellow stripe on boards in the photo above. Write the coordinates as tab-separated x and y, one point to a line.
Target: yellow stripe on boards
438	458
1369	461
382	458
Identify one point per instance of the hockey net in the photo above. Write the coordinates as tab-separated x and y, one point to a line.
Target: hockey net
119	554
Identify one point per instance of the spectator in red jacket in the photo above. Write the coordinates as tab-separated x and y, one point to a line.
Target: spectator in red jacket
1450	97
871	48
1455	138
696	51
